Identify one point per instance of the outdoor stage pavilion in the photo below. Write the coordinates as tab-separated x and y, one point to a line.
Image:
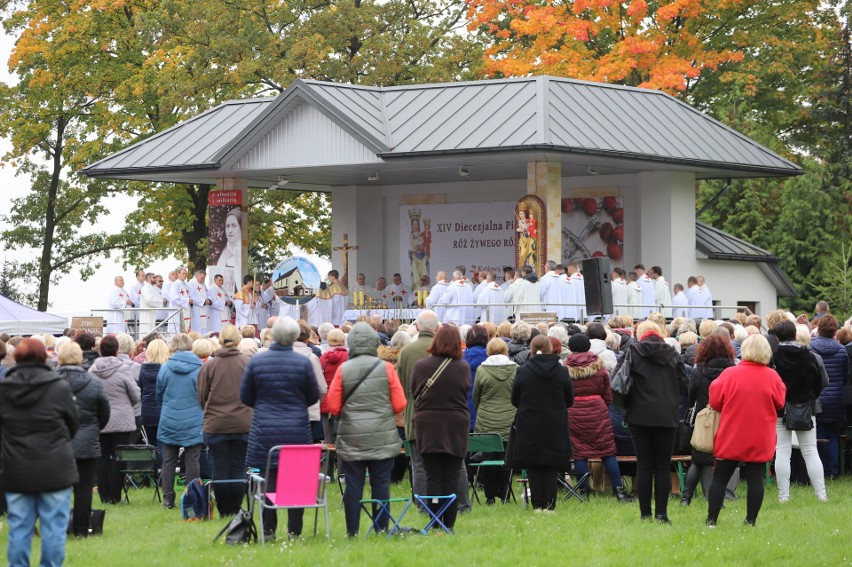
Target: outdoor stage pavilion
472	143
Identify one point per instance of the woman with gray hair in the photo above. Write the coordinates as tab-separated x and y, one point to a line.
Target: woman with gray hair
181	415
519	350
278	385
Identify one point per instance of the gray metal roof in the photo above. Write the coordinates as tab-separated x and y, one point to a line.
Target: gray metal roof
626	125
716	244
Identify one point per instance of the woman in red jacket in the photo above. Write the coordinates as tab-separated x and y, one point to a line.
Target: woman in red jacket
748	397
330	361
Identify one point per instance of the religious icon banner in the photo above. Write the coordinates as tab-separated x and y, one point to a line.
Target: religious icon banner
479	236
593	227
225	238
530	228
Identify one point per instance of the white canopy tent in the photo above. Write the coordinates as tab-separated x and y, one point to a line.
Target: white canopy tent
17	319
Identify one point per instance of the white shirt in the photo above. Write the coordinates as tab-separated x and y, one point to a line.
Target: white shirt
663	295
198	294
578	290
220	315
436	295
525	295
458	296
115	319
647	285
680	301
619	296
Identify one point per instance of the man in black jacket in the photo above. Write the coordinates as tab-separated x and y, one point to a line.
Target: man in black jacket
38	419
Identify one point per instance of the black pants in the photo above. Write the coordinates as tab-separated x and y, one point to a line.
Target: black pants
356	472
442	479
270	517
110	479
83	496
495	480
654	447
721	475
400	463
229	459
542	487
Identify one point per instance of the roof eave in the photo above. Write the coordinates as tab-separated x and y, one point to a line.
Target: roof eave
119	172
761	170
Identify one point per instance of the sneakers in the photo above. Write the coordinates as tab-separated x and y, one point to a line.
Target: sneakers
783	499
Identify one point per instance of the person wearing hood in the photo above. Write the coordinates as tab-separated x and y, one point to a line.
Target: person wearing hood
475	353
330	361
591	429
524	293
93	409
831	420
279	385
126	350
38	419
226	419
181	415
658	380
715	354
801	374
365	393
492	402
123	394
439	386
542	392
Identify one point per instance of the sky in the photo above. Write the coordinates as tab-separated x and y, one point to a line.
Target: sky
72	296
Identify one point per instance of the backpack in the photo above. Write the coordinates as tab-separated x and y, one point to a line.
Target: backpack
197	502
239	530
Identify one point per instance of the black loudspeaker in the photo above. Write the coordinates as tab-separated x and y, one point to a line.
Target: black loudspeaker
598	286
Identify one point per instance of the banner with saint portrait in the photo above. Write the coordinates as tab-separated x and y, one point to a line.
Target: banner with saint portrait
479	236
530	231
225	238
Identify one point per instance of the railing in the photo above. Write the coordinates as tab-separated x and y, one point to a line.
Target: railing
133	326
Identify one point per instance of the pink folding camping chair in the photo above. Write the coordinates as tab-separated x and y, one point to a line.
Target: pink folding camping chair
300	482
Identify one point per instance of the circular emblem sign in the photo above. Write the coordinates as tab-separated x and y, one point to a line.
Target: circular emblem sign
296	280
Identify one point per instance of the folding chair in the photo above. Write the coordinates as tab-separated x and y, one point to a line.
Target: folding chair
300	482
573	489
382	508
486	443
435	517
138	460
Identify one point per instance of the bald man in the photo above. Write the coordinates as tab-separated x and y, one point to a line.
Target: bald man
118	299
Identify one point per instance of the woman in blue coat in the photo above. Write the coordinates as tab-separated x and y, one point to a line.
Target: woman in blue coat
475	354
280	385
831	420
181	416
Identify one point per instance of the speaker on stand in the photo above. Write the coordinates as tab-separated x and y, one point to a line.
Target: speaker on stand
598	286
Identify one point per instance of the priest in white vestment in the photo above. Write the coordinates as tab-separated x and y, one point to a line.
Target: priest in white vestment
152	298
619	294
245	303
662	293
648	293
399	293
436	295
523	293
179	299
339	298
199	302
118	300
136	296
696	298
220	304
489	303
321	307
680	302
634	296
578	290
708	312
165	287
459	300
357	289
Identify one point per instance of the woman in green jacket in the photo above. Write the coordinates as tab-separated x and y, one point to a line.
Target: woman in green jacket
492	398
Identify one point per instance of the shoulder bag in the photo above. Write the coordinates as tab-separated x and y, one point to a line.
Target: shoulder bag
431	380
798	417
706	426
359	382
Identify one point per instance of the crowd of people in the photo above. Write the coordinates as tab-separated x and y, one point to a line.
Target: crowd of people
560	395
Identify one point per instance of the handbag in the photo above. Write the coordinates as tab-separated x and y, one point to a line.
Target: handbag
683	446
240	529
689	419
706	426
798	417
623	379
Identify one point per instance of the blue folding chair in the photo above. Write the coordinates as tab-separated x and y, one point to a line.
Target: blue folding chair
435	517
376	509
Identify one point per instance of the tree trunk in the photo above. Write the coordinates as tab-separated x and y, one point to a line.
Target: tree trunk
45	268
193	238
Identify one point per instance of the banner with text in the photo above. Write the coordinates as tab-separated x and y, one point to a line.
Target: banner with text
479	236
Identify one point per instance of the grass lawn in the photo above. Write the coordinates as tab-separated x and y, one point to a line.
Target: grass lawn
602	532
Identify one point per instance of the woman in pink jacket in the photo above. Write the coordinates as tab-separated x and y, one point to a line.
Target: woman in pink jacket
748	397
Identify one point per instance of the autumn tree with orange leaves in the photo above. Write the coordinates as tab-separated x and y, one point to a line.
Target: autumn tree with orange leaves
663	44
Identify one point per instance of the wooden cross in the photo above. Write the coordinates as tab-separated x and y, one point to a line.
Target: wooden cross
345	250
